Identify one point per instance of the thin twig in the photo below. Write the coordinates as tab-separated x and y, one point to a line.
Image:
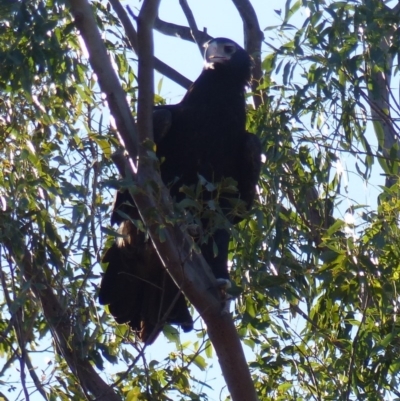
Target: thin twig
95	168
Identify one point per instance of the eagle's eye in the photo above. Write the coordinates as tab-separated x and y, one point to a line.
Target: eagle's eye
229	49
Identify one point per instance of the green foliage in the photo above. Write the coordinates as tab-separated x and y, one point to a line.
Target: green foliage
316	296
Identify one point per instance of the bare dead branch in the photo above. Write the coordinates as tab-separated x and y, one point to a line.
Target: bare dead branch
253	37
171	73
196	34
22	375
171	29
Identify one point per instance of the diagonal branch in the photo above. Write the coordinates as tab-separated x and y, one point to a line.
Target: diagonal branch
179	31
21	333
191	34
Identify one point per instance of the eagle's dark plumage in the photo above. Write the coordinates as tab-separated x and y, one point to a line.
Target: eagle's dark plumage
202	136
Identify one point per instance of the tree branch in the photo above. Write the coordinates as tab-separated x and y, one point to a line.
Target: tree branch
180	31
172	74
35	378
253	37
145	21
196	34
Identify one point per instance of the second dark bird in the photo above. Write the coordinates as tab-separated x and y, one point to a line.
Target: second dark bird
202	137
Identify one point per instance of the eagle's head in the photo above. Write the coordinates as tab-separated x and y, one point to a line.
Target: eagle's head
226	54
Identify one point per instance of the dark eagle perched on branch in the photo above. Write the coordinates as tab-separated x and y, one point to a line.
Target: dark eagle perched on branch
201	139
